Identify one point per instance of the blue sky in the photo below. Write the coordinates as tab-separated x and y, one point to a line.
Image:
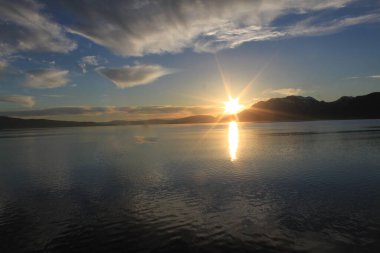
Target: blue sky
105	60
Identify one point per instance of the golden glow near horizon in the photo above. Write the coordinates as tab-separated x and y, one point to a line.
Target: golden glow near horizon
233	106
233	139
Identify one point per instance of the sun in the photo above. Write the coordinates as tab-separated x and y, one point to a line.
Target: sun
233	106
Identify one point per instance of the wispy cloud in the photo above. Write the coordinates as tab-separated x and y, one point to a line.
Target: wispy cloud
133	28
53	95
25	27
314	26
358	77
46	78
287	91
130	76
18	99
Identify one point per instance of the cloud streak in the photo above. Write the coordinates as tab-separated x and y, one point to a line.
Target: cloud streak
46	78
17	99
151	111
24	27
135	28
130	76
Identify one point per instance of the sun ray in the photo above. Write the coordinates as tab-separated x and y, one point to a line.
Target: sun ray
222	75
256	76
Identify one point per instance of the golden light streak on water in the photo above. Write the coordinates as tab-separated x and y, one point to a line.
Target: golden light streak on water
233	139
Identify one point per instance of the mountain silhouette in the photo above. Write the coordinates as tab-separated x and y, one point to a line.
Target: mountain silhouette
8	122
308	108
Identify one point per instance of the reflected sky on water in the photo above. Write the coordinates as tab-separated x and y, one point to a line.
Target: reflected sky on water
288	187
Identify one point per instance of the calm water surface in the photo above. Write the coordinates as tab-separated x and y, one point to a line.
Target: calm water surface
269	187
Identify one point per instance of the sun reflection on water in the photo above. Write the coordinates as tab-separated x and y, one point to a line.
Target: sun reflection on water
233	139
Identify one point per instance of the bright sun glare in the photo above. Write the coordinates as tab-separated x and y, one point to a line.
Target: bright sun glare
233	106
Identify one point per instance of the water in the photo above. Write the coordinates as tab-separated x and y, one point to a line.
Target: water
269	187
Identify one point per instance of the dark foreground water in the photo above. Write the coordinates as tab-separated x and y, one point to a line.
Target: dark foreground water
269	187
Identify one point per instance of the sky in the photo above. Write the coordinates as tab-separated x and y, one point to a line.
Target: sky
124	60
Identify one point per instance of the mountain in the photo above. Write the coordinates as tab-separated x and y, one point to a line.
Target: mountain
291	108
8	122
308	108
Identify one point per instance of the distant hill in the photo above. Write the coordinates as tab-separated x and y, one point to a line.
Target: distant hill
8	122
291	108
308	108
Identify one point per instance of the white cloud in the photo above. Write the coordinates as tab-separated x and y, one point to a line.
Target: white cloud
89	60
135	28
24	27
47	78
374	76
17	99
130	76
287	91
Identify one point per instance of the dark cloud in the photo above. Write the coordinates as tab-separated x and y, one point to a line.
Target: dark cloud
168	109
87	110
17	99
129	76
